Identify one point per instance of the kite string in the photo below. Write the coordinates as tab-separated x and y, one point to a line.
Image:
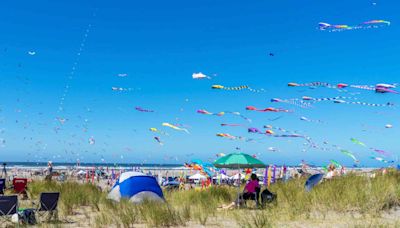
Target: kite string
75	65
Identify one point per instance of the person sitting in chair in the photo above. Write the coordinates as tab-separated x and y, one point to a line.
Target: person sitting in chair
249	192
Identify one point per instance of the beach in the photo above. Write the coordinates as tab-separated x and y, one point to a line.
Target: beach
199	205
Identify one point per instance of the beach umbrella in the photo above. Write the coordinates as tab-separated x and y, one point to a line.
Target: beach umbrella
238	160
136	187
312	181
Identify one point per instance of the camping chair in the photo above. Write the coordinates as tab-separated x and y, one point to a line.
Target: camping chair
19	185
48	204
8	206
2	186
255	196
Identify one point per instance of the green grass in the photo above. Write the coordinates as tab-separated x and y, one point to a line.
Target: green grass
350	195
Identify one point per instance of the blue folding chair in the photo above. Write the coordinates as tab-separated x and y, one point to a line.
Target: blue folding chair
8	206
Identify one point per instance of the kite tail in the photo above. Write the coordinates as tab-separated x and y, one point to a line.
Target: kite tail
255	90
236	87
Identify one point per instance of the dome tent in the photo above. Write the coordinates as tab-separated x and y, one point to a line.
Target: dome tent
136	187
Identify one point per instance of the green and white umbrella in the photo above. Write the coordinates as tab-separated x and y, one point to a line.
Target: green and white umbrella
238	161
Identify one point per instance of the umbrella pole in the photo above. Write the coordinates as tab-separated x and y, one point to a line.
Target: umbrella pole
238	190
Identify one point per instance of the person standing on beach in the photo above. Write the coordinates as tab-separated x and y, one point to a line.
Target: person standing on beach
49	171
4	171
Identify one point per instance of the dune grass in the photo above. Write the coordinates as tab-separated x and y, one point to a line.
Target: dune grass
351	195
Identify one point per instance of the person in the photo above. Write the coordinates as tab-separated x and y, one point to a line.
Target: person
4	171
49	171
249	192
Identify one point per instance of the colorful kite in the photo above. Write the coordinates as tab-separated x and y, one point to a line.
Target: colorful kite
205	112
226	135
311	84
153	129
348	153
365	25
252	108
237	88
175	127
357	142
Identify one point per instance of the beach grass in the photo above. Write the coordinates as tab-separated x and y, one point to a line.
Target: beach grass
353	197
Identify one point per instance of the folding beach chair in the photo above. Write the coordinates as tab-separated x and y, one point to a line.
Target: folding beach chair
19	185
2	186
8	206
48	204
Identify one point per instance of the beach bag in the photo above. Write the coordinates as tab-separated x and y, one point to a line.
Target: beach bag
27	217
267	197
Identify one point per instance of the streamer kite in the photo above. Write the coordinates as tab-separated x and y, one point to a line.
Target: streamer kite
226	135
221	87
323	26
140	109
205	112
230	125
357	142
295	102
388	104
175	127
252	108
348	153
311	84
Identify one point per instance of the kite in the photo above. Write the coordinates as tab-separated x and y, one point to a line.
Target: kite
230	125
226	135
220	155
91	140
382	152
296	102
273	149
175	127
31	52
205	112
122	75
61	120
306	98
309	120
311	84
365	25
388	104
120	89
388	126
158	140
381	159
200	76
348	153
357	142
236	88
254	130
378	88
140	109
252	108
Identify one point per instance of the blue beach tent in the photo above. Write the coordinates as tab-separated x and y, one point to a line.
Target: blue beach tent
136	187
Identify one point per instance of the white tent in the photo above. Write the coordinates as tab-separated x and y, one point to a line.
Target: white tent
221	177
197	176
236	177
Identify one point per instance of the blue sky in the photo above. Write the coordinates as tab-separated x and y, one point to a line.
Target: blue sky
159	45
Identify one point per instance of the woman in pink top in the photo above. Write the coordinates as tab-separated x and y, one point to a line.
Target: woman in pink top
249	192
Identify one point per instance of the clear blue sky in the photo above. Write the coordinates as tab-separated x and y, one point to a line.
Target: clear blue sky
159	44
